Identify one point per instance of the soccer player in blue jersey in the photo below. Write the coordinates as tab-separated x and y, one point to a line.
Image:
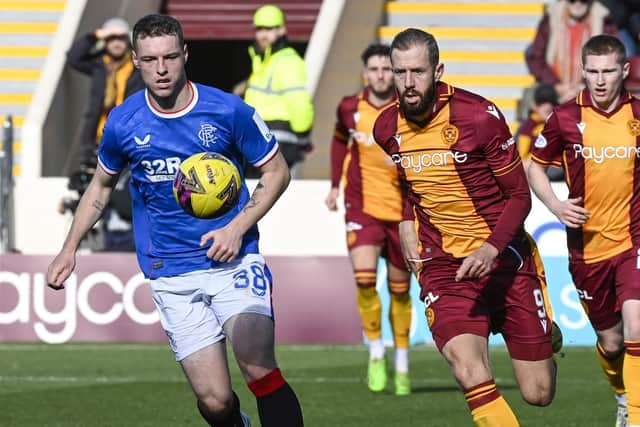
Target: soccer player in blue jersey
208	281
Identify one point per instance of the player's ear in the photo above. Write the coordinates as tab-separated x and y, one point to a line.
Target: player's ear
437	75
134	58
626	68
185	51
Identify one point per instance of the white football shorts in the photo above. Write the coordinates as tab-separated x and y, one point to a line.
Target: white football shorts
194	306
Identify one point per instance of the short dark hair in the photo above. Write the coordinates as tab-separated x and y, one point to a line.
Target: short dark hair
375	49
604	44
544	93
410	37
155	25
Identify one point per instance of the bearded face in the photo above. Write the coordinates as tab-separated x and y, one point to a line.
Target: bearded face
415	79
415	103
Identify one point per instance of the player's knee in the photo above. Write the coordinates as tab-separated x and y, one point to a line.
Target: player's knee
539	390
211	405
611	346
469	367
540	394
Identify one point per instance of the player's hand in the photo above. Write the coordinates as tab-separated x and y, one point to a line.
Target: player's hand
226	243
409	246
571	213
105	33
478	263
331	200
60	269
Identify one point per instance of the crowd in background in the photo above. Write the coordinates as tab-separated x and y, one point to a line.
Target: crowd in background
276	86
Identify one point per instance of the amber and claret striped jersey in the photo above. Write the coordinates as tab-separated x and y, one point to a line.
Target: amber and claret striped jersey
465	180
601	156
369	177
528	132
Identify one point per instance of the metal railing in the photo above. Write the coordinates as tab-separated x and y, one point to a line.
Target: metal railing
6	187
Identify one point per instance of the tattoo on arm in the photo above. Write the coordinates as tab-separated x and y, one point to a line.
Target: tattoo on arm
98	205
253	202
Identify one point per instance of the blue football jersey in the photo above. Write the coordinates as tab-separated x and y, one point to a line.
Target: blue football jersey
154	143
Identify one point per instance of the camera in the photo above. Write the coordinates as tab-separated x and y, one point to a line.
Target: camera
78	182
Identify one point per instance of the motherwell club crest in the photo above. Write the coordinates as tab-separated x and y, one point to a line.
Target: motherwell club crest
633	126
449	134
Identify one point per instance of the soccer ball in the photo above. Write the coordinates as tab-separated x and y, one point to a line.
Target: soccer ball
207	185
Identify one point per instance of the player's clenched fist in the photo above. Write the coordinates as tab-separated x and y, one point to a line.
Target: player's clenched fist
60	270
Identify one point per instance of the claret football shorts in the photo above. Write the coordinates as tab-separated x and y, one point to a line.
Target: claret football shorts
509	301
603	286
194	306
363	229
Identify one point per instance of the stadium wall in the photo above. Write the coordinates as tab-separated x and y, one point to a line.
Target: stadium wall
314	296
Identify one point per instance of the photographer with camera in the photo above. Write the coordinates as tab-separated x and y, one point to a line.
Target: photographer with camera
115	232
104	55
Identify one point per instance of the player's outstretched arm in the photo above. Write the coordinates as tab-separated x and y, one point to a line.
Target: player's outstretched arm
409	245
569	212
228	240
89	210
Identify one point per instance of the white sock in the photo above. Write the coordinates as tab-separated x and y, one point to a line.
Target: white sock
621	399
402	360
376	349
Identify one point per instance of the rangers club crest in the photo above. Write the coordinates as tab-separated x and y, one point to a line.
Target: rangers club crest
207	134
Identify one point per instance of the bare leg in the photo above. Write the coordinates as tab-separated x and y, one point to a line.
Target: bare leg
208	373
252	340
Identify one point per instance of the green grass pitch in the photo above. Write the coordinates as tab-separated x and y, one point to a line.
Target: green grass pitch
87	385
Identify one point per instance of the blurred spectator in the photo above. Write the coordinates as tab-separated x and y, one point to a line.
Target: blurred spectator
104	55
554	56
544	99
626	16
632	82
277	87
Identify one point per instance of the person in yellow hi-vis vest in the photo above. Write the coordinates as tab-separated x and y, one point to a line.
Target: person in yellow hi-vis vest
277	86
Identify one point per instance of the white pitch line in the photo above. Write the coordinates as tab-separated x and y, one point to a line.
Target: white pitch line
60	379
298	380
163	347
83	347
110	380
156	347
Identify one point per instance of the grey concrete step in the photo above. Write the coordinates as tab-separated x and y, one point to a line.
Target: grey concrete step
30	16
25	39
19	62
494	92
509	68
13	109
17	86
455	20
